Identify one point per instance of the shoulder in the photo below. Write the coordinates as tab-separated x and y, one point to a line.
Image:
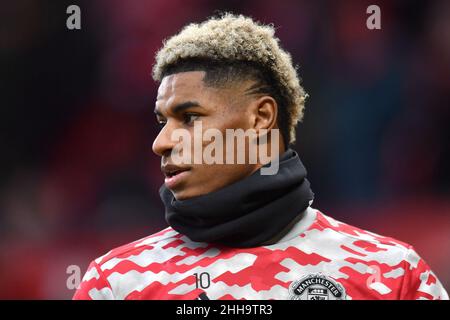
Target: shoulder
359	237
359	246
159	240
121	270
395	264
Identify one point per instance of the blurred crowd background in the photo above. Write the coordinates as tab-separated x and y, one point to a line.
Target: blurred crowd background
77	174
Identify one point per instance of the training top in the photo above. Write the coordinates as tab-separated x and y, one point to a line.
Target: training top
320	258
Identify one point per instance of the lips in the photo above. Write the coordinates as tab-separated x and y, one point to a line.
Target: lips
174	174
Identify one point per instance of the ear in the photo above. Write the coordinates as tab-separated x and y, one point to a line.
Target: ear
265	111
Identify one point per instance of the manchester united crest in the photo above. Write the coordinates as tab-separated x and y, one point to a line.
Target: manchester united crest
316	287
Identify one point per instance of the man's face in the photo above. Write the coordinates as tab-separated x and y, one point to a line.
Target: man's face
182	99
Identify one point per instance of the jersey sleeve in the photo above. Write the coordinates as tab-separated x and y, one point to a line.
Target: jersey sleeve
94	285
419	282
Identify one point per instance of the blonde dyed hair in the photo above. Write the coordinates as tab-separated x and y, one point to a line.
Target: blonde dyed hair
236	38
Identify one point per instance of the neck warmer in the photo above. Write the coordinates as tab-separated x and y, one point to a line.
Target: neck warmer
246	213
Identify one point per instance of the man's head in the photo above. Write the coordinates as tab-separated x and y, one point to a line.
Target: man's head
229	73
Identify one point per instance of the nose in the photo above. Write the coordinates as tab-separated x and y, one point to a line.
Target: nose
163	143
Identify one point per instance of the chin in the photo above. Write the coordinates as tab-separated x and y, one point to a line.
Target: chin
180	195
187	193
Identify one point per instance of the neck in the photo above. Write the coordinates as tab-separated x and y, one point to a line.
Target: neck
253	211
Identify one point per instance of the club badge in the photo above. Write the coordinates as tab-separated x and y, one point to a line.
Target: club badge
316	287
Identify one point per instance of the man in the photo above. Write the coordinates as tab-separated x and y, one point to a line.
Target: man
236	233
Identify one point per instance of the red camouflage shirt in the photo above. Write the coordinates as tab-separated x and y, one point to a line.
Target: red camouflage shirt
320	258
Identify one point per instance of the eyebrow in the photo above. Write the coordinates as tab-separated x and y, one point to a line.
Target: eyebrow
180	107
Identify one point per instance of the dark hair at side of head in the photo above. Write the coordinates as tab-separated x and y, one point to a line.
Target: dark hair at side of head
221	73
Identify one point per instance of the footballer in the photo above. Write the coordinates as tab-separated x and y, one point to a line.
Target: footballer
235	233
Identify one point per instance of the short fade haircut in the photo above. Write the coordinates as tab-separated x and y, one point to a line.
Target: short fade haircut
234	48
